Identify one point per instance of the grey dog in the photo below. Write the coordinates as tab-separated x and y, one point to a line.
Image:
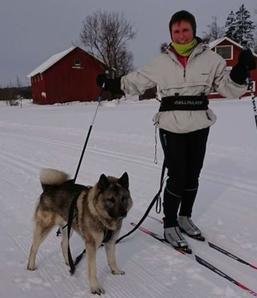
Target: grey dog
99	210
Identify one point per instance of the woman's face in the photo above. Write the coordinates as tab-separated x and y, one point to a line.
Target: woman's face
182	32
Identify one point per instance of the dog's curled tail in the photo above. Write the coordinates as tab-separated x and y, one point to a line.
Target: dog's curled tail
51	177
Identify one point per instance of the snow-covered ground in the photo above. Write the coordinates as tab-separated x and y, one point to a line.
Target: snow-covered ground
122	139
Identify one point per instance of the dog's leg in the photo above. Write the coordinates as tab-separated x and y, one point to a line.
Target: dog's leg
40	233
45	221
64	244
91	247
111	257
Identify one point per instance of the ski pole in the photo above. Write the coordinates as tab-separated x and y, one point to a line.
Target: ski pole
249	82
88	134
250	86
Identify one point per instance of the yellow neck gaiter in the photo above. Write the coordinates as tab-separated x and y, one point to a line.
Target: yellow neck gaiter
184	49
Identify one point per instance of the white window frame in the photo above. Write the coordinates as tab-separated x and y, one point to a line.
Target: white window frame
77	66
254	86
223	46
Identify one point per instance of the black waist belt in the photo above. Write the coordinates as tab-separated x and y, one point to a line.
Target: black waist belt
187	103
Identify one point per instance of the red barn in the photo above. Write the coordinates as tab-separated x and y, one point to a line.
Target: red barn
66	76
230	50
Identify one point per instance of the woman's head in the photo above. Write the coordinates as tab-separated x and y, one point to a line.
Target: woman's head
182	27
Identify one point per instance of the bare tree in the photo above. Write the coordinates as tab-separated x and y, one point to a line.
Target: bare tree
106	34
214	31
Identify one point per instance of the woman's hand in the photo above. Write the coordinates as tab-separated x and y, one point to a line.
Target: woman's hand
246	59
111	85
246	62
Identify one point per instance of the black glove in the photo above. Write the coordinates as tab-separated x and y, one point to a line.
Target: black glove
111	85
246	62
100	80
247	59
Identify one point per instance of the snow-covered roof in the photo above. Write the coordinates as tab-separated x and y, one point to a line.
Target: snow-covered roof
214	43
52	60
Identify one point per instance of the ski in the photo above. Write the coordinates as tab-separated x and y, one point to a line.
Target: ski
159	238
199	260
219	249
229	254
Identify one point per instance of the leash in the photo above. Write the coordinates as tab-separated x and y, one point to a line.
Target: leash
69	225
167	104
99	99
107	236
71	216
156	199
73	264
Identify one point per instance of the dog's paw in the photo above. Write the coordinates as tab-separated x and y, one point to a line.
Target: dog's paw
31	267
118	272
97	290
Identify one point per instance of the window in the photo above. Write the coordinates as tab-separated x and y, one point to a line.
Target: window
77	64
225	52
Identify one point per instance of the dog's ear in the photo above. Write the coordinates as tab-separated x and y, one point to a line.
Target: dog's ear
103	182
124	180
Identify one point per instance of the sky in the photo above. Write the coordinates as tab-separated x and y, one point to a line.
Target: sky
32	30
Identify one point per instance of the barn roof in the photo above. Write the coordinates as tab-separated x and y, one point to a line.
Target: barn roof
214	43
52	60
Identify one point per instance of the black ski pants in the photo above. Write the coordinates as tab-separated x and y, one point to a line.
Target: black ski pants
184	155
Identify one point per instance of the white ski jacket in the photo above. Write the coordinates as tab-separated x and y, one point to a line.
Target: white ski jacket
204	70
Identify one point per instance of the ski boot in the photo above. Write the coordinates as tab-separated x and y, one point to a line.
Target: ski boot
189	228
173	236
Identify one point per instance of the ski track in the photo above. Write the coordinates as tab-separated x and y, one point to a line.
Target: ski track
23	242
140	280
56	271
26	164
52	270
54	274
222	262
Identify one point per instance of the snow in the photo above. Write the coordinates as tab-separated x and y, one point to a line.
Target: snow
53	59
216	42
50	61
122	139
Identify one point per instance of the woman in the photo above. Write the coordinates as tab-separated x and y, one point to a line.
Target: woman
185	74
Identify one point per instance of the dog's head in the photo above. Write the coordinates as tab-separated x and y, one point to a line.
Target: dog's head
113	200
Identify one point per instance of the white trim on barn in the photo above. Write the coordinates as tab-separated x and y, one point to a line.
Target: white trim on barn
53	59
220	40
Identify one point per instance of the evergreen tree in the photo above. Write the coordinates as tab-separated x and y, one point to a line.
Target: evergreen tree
230	25
255	34
244	27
